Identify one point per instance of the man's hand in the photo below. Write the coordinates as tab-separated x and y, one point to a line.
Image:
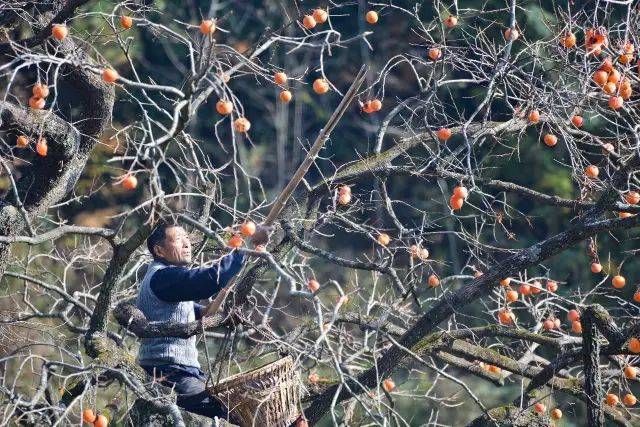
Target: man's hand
212	308
262	235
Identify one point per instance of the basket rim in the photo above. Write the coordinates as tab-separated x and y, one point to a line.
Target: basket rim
228	381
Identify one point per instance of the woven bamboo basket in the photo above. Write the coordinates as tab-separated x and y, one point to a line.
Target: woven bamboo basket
265	396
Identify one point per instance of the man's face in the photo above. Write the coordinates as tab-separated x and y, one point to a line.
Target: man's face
176	248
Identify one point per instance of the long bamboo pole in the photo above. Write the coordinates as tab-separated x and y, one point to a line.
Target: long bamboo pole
288	190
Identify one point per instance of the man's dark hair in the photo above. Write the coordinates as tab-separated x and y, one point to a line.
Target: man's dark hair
158	235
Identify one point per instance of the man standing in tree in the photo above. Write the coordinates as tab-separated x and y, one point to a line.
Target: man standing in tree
168	292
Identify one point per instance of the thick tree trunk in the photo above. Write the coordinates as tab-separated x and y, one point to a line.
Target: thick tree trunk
145	414
89	105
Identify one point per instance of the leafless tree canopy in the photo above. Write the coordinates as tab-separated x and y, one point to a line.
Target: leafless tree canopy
413	275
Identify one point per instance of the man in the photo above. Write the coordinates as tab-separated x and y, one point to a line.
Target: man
168	292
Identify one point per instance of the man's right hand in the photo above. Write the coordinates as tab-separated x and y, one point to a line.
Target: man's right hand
212	308
262	235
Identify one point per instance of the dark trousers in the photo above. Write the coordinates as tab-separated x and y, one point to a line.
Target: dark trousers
189	385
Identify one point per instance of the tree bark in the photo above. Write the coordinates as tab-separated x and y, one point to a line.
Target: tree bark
50	178
593	378
510	416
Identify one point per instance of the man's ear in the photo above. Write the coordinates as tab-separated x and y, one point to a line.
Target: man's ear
157	251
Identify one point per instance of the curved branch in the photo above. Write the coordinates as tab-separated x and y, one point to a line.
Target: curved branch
131	318
59	232
121	254
288	229
381	162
